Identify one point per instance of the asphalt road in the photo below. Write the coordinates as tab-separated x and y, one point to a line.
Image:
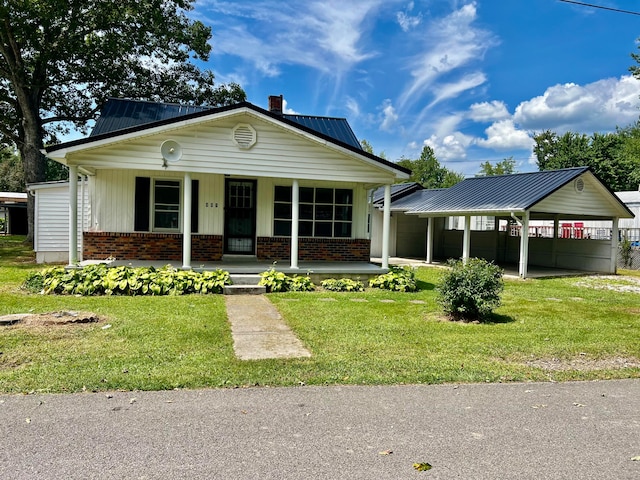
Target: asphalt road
580	430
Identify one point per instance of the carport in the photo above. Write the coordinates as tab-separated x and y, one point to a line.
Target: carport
517	200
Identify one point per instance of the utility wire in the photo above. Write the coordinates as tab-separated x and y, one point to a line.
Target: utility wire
629	12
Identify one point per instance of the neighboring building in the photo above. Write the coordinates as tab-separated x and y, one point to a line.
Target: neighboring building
192	184
13	213
494	210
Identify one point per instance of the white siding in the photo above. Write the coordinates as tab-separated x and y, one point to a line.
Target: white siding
51	237
209	148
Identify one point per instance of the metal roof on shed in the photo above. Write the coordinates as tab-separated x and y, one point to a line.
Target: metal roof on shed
414	199
118	114
500	193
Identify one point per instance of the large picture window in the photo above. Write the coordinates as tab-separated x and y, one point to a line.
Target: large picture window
324	212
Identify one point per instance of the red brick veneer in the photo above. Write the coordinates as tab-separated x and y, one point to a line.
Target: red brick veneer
150	246
314	249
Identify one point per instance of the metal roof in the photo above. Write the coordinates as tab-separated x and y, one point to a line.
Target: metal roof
414	199
118	114
500	193
398	190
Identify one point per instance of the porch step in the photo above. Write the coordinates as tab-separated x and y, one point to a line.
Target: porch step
244	290
244	284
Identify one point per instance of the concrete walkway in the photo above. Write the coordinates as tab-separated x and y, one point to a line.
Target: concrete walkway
258	330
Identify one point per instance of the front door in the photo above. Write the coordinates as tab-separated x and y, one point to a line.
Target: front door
240	217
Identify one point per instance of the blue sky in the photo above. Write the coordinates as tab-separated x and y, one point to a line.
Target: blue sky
472	79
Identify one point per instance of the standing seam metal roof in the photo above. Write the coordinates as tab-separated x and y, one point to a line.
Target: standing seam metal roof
518	192
119	114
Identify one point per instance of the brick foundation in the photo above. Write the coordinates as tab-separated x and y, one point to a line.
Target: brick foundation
314	249
150	246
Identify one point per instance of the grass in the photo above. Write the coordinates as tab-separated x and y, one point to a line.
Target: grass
159	343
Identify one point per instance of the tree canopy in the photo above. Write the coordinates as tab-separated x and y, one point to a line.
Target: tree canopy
504	167
428	172
60	61
613	157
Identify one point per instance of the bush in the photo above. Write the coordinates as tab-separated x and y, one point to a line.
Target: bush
471	291
101	279
343	285
279	282
397	280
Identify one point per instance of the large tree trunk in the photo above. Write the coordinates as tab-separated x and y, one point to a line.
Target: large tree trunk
34	165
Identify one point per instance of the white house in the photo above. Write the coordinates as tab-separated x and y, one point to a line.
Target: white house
192	184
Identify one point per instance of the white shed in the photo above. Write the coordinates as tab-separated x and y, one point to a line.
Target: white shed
51	232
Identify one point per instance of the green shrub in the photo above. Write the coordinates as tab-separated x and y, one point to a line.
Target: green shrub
397	280
101	279
280	282
301	284
470	290
626	251
343	285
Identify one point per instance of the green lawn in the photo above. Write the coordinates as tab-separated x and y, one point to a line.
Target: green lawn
552	329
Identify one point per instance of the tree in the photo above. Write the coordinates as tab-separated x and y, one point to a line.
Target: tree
366	146
504	167
613	157
428	172
11	174
60	61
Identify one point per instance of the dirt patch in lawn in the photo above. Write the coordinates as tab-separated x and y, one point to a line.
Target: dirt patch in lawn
618	283
584	364
50	319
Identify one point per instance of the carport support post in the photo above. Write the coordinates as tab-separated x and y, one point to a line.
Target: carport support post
186	222
295	217
386	226
614	245
73	214
466	239
524	245
429	258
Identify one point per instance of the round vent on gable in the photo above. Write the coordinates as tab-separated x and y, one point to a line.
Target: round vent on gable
244	135
578	184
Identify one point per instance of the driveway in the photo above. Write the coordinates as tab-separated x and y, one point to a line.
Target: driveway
579	430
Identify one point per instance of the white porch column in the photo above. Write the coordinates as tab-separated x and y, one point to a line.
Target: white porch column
186	222
524	246
429	258
466	239
295	221
554	243
73	215
386	226
615	232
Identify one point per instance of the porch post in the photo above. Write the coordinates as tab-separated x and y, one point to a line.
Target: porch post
524	246
386	226
73	214
295	217
186	222
466	239
429	258
615	232
554	243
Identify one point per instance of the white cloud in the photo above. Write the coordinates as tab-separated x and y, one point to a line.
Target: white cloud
406	21
450	147
488	111
452	90
287	110
452	43
597	106
389	116
503	135
322	34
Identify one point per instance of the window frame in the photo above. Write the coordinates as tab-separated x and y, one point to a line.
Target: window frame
310	225
153	205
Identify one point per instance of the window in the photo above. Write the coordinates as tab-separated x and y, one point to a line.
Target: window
166	205
158	205
324	212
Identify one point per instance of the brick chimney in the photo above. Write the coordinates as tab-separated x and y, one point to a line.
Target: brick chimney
275	104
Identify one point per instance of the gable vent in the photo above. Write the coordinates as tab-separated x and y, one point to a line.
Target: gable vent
244	135
579	185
